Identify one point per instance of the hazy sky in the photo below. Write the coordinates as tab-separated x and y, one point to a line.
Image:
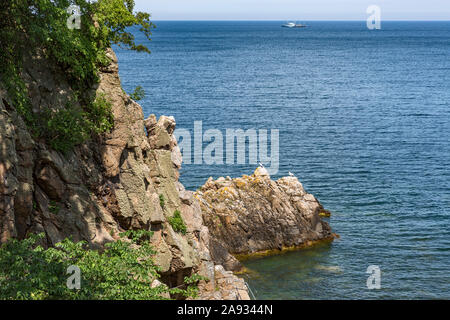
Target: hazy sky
293	9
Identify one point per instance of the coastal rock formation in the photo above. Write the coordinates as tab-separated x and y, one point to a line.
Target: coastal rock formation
126	179
255	214
129	179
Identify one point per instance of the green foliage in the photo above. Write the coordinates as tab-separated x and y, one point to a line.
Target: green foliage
162	201
39	28
177	223
194	279
53	207
123	270
68	127
138	94
99	115
191	286
64	128
14	85
138	236
115	16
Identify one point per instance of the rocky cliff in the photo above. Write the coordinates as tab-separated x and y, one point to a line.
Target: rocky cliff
110	184
129	179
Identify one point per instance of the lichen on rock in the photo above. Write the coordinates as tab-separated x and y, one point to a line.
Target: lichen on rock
254	214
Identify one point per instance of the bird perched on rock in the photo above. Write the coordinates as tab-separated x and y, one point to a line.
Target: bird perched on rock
291	174
261	171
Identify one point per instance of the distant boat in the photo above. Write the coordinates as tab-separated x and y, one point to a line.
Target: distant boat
293	25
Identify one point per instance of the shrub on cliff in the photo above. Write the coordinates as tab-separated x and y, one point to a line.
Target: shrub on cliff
124	270
40	27
138	94
177	223
162	201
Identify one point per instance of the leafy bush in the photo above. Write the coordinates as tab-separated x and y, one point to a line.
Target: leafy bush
39	27
192	288
177	223
124	270
162	201
99	115
53	207
65	128
138	94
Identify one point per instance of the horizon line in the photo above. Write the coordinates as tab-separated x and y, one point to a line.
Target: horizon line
276	20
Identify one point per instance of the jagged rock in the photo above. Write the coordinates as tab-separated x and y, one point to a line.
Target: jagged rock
176	157
156	283
186	197
150	123
254	214
229	286
23	207
156	215
9	183
49	180
164	256
159	133
221	255
167	124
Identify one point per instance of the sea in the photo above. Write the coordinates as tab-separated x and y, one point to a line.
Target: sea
364	123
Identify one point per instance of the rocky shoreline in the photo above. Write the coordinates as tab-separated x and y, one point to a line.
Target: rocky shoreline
117	181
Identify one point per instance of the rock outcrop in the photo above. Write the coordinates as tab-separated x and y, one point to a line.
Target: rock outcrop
254	214
113	183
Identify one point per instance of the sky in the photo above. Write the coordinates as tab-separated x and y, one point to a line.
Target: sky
293	9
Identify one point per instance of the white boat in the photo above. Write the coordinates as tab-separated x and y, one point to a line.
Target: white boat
293	25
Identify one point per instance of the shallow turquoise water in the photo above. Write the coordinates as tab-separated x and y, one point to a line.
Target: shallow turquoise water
364	121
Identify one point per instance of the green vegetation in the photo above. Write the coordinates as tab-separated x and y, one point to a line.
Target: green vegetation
123	270
39	28
192	288
138	94
162	201
99	116
65	128
53	207
177	223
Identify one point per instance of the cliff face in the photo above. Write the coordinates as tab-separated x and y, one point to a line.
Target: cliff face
255	214
108	185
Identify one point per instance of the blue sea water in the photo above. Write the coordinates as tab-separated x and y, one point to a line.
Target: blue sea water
364	120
